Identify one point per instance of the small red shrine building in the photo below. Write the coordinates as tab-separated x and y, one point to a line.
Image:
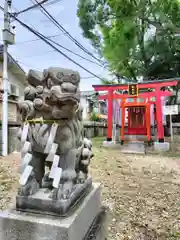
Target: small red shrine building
138	99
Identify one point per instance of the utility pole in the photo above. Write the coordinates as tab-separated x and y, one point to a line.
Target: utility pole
8	38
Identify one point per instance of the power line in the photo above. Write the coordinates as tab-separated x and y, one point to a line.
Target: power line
61	46
53	2
41	54
87	77
30	8
37	39
25	64
67	49
15	9
43	38
54	21
28	65
76	54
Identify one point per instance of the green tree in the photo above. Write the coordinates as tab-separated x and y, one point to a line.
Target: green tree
121	31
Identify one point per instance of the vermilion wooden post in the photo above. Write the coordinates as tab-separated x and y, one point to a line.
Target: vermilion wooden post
122	124
110	115
160	128
129	119
148	122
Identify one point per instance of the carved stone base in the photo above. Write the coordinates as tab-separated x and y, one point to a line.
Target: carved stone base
41	202
82	224
98	229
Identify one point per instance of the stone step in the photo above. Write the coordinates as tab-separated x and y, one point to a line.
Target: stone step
133	147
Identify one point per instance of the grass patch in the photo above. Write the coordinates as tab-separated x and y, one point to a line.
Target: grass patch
98	141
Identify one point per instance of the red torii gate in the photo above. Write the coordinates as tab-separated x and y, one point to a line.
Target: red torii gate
158	93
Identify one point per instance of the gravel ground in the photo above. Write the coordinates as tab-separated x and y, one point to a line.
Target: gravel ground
8	179
141	192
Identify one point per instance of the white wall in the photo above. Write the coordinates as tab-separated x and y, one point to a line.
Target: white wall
14	80
83	103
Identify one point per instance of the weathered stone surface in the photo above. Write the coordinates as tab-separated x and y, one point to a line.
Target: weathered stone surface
52	130
133	147
56	199
111	144
130	147
16	225
41	202
98	230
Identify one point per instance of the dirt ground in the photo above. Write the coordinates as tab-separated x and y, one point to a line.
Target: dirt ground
141	192
8	179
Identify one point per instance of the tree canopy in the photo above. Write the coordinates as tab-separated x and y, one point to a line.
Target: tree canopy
137	38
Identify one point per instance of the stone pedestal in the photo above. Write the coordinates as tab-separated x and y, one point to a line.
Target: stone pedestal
41	201
16	225
161	146
133	148
111	144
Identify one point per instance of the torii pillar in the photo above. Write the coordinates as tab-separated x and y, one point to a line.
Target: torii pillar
110	115
159	118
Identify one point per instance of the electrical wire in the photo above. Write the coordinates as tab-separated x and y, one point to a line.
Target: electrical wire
15	9
62	29
67	49
27	65
43	38
30	8
61	46
87	77
37	39
53	2
76	54
38	55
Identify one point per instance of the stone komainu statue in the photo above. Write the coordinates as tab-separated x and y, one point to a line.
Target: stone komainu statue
55	155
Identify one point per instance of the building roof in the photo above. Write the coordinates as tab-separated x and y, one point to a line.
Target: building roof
87	93
90	93
13	66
